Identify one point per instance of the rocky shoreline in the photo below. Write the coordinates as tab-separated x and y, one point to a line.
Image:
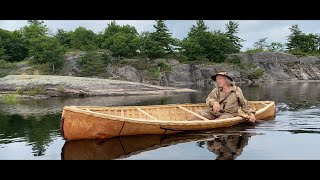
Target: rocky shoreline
44	86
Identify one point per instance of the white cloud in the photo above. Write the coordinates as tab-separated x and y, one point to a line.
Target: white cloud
140	25
12	25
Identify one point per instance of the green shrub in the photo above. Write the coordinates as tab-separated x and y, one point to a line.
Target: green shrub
298	53
5	67
10	99
233	59
60	88
99	55
43	69
164	67
254	50
31	92
154	72
141	64
20	91
41	89
37	90
94	63
247	66
177	56
256	74
93	68
289	64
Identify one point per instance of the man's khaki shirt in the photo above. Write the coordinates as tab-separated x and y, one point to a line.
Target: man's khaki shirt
232	103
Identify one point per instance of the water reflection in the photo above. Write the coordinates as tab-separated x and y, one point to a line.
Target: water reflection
36	131
295	95
35	124
227	143
118	148
228	147
288	96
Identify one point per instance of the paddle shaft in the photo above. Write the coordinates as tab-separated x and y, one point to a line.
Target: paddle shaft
203	118
236	114
246	117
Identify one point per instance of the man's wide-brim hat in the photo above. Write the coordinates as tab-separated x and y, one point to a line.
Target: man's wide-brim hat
222	73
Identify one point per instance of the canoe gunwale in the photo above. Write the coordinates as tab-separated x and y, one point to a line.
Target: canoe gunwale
86	110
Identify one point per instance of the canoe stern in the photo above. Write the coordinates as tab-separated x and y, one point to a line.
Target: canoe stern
75	125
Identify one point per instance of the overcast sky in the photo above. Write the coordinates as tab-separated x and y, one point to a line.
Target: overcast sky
249	30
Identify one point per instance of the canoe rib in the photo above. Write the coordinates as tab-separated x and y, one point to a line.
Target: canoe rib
194	113
145	113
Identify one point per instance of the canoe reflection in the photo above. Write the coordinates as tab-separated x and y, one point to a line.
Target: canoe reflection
117	148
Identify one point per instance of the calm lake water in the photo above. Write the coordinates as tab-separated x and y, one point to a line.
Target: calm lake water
31	129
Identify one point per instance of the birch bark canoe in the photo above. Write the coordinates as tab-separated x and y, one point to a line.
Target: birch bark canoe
96	122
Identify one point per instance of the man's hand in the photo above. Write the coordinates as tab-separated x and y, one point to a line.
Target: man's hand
252	117
216	107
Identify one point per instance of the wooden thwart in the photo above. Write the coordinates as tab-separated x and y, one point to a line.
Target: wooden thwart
145	113
203	118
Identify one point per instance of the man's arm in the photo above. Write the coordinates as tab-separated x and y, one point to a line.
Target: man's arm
212	97
213	101
246	107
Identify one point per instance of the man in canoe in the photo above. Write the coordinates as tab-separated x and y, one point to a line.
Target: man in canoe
225	100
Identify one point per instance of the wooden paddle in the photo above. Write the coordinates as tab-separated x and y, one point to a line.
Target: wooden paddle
246	117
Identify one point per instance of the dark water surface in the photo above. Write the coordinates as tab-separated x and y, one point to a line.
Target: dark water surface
31	129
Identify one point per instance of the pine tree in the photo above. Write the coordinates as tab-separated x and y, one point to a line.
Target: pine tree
204	44
294	38
299	42
198	29
162	35
232	29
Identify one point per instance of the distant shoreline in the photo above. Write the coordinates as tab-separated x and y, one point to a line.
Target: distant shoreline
44	86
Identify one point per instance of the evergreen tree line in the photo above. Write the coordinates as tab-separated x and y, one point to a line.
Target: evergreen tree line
35	42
